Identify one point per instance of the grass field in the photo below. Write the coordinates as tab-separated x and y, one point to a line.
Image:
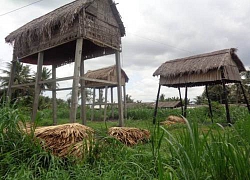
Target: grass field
197	150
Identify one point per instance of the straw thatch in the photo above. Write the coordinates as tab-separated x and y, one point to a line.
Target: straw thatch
173	120
98	22
108	74
201	69
129	136
66	139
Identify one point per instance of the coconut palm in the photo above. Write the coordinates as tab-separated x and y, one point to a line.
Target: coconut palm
45	75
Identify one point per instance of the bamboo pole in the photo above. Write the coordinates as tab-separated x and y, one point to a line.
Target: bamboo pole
185	107
54	95
74	98
37	86
245	97
119	93
225	96
179	89
93	106
156	104
105	105
12	77
112	103
100	99
125	101
209	104
83	95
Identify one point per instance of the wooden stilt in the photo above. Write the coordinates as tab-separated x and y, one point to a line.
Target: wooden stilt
112	103
100	99
245	97
54	95
225	96
83	95
186	101
125	102
93	106
179	89
119	93
74	98
156	104
209	104
106	100
12	77
37	86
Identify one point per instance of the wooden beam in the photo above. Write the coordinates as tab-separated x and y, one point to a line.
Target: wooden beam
185	107
83	95
54	95
125	102
209	104
119	93
225	96
245	97
156	104
182	112
12	77
57	80
74	98
37	86
105	105
99	81
112	103
93	106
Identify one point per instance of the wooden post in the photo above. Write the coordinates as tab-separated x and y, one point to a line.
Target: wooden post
93	106
179	89
106	100
83	96
12	77
119	93
209	104
74	98
225	96
54	94
156	104
125	101
185	107
100	99
245	97
37	86
112	103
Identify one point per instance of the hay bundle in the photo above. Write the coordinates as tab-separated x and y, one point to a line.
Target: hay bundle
65	139
129	136
173	120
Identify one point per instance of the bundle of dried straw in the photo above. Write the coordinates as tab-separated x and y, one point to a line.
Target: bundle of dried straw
129	136
66	139
173	120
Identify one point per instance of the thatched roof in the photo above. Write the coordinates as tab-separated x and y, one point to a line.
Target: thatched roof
193	67
80	18
107	73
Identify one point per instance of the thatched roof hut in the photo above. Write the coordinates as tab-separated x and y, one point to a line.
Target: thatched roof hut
107	74
201	69
98	22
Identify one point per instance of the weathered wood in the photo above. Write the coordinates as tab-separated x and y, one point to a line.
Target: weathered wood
245	97
74	98
119	93
54	95
37	86
12	77
179	89
105	105
100	99
99	80
93	106
83	95
225	96
23	85
57	80
209	104
156	104
185	106
125	101
112	105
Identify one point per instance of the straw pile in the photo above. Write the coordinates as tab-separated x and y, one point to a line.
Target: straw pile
173	120
129	136
66	139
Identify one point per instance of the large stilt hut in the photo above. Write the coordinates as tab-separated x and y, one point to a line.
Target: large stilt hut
107	80
219	67
75	32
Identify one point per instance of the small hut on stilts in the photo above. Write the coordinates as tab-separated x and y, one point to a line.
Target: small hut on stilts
75	32
106	80
219	67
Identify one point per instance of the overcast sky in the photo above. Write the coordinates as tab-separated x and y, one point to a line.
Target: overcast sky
155	33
